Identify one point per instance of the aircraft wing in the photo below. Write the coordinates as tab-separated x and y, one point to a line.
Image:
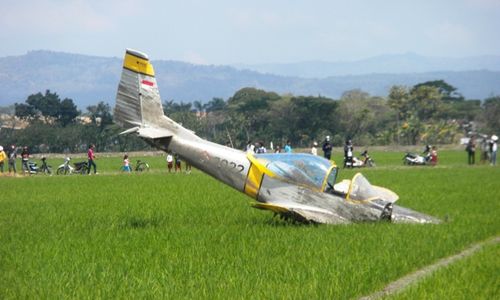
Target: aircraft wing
302	212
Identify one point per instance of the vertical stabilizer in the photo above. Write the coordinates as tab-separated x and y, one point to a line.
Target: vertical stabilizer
138	101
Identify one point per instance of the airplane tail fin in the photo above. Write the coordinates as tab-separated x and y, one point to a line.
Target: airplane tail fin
138	102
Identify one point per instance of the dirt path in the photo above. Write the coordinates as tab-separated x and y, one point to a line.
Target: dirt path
402	283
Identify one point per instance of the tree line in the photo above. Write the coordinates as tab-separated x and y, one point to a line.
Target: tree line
432	112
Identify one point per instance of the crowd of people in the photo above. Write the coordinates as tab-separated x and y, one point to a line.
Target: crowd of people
489	148
174	161
327	147
10	155
260	148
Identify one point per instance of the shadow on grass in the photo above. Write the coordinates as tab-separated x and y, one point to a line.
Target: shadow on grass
135	222
278	220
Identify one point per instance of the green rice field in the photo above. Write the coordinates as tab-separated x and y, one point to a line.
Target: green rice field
187	236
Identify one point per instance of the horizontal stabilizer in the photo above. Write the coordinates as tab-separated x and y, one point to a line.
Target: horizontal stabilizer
149	132
154	133
131	130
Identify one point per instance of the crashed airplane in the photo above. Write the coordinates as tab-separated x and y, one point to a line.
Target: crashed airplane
300	187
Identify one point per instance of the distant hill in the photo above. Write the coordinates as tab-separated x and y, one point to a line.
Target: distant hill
382	64
89	79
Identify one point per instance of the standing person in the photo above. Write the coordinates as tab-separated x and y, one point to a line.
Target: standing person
250	148
471	151
188	167
434	156
288	147
12	155
485	150
494	148
126	164
25	156
3	157
278	149
260	148
170	162
348	153
177	163
327	148
314	149
91	158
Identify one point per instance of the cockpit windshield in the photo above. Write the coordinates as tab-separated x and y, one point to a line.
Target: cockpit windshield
305	169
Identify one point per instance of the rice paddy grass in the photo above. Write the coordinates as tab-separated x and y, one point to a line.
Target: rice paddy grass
160	235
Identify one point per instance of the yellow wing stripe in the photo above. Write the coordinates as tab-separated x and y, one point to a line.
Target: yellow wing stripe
255	176
138	65
258	164
254	179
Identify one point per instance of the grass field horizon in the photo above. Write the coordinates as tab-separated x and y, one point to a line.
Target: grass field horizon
188	236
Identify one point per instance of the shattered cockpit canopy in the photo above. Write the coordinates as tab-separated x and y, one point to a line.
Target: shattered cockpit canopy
302	169
361	190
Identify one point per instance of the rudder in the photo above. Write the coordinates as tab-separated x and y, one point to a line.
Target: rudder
138	101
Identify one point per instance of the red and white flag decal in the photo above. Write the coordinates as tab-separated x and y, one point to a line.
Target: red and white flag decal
147	82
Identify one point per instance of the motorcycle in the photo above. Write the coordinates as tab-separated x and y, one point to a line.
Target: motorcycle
141	166
416	159
366	161
32	167
45	169
66	168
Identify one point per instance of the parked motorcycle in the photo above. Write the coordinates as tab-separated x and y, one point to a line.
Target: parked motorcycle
141	166
45	169
81	167
416	159
33	168
366	161
66	168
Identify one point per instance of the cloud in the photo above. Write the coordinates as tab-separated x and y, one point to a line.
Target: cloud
452	33
194	58
52	17
484	3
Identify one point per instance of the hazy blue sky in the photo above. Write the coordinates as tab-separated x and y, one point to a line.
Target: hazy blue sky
223	32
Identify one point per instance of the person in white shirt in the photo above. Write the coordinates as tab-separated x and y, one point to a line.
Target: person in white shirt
170	162
494	149
314	149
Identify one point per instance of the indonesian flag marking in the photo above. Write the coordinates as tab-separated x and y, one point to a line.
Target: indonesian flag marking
148	83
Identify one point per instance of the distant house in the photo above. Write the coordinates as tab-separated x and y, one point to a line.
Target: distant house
84	120
12	122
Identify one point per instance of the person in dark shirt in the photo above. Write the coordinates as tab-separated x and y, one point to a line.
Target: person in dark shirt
327	148
25	155
178	160
471	151
11	156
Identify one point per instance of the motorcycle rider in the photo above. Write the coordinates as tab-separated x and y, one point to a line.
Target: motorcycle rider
366	156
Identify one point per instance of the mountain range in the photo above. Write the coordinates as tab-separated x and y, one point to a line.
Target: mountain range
386	64
90	79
